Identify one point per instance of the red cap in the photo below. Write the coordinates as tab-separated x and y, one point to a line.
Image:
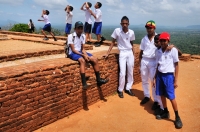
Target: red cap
164	35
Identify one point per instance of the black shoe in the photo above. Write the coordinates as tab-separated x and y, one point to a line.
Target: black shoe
45	38
87	78
178	123
88	42
154	106
102	81
145	100
129	92
85	87
55	39
96	42
163	115
158	110
97	45
102	39
120	94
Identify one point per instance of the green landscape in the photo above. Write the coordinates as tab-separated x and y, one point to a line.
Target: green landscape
187	39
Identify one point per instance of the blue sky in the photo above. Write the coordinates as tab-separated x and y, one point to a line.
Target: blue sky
163	12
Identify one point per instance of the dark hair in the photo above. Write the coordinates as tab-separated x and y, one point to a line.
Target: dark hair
89	4
99	4
71	8
30	20
47	12
124	18
156	37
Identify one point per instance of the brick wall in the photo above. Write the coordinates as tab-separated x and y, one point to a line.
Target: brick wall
36	94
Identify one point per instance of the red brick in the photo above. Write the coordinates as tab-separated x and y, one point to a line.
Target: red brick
38	97
20	108
8	103
27	101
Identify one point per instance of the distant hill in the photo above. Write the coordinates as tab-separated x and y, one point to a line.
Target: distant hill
194	26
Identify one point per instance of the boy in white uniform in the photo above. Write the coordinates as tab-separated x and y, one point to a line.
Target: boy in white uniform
124	37
167	77
148	64
69	16
77	52
98	24
88	21
47	26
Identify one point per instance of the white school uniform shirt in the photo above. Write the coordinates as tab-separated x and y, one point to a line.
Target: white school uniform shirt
148	48
123	39
69	17
87	15
98	14
77	41
29	25
46	19
166	60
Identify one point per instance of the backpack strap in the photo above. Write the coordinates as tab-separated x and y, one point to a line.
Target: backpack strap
66	48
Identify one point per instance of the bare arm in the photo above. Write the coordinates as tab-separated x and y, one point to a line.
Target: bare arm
82	6
140	56
179	52
42	13
176	74
154	79
132	47
75	51
110	48
67	9
171	46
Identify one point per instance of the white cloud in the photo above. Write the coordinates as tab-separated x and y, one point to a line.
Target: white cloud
11	2
115	3
52	4
33	6
19	14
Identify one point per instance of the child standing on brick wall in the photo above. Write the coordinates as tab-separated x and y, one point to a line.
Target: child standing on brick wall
47	26
77	52
88	21
98	24
147	62
69	16
167	77
124	37
31	26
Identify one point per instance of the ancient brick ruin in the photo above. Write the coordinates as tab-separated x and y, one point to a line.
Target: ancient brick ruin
35	94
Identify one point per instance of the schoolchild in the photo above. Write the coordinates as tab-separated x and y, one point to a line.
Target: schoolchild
98	24
159	109
31	26
124	37
148	64
47	26
69	16
86	7
77	52
166	77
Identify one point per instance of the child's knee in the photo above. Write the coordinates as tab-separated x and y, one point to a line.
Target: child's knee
81	61
94	60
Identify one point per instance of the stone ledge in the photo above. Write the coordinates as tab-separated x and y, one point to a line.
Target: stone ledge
42	36
34	95
185	57
195	56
